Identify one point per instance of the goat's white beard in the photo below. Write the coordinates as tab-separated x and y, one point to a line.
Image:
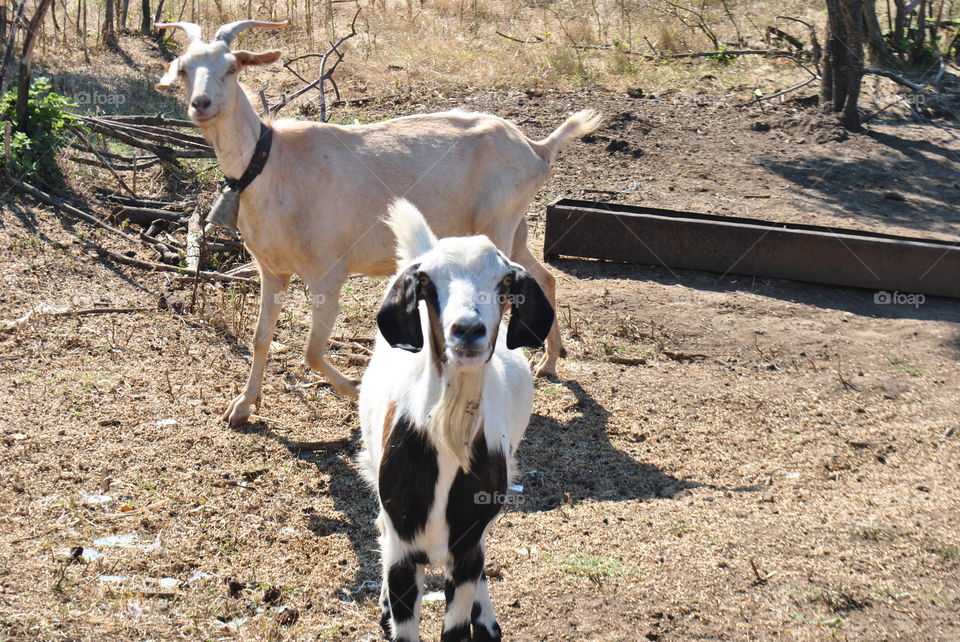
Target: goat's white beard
455	419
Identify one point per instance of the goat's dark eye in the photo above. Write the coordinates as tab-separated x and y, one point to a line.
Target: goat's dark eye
507	281
231	70
424	280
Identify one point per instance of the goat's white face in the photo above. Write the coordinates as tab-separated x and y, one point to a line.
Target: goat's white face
467	285
210	70
471	282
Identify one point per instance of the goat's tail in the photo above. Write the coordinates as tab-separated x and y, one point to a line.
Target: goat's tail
580	124
414	236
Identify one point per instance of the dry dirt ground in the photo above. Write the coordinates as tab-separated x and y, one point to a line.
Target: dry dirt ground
783	464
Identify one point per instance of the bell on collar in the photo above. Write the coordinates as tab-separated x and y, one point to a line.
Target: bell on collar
224	211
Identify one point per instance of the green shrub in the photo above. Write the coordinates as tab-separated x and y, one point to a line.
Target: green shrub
35	143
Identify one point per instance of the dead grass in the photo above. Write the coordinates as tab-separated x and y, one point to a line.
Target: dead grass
655	494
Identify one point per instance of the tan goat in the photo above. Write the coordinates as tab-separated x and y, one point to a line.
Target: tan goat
317	208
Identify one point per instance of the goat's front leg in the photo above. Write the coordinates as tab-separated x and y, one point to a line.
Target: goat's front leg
466	604
402	584
521	254
272	287
324	301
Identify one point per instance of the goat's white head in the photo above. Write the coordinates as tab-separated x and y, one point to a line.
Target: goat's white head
467	285
210	68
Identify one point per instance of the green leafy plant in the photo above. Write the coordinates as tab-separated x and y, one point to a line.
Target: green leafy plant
35	142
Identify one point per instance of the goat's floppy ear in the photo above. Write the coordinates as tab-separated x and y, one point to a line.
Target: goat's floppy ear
170	75
249	58
531	316
399	316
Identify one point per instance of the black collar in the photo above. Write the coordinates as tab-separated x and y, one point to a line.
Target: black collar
257	162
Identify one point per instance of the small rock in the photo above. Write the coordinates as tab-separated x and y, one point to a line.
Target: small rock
234	588
288	616
767	497
166	423
272	595
894	196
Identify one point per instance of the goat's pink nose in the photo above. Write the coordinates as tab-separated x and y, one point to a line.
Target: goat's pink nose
468	330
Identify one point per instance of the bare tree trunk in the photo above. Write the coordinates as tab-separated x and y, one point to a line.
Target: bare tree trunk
880	54
83	30
124	10
26	64
107	33
843	61
11	43
328	19
145	17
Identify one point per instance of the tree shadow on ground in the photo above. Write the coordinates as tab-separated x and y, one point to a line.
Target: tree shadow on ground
907	183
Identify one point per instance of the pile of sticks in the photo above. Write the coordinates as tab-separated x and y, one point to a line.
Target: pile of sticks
160	136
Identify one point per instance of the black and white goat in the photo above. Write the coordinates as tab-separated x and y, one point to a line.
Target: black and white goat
443	405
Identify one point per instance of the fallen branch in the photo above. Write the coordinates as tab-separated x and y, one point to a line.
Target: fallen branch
7	325
125	167
106	163
692	54
777	94
158	121
55	202
534	41
683	356
897	78
628	361
146	215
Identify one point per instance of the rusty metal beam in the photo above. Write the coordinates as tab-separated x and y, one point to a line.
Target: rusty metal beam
729	245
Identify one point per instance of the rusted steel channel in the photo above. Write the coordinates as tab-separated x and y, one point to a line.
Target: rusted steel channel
729	245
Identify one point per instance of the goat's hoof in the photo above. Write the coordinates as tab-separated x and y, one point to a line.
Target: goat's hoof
545	369
237	413
348	388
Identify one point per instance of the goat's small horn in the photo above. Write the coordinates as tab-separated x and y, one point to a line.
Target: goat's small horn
192	30
230	30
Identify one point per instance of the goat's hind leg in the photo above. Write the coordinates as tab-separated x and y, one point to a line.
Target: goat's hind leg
324	302
272	287
521	254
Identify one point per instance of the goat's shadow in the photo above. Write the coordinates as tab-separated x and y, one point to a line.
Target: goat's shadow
572	460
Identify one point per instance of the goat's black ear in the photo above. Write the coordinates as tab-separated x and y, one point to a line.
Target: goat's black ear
531	316
399	317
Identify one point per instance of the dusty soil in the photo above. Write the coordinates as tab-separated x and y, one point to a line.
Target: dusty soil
781	462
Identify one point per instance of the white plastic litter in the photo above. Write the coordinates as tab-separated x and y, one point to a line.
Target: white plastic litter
121	541
112	579
96	500
436	596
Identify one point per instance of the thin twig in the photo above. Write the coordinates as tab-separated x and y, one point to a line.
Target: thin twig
534	40
106	163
